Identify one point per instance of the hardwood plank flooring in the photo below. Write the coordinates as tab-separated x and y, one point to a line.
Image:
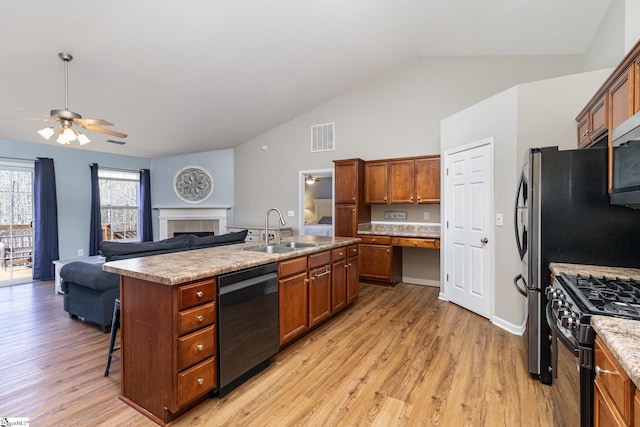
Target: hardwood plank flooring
397	357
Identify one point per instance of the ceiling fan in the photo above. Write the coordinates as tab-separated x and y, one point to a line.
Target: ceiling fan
67	118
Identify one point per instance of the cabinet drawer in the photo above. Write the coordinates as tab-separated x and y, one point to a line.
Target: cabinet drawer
196	293
196	318
321	258
414	242
378	240
292	266
196	347
352	250
338	254
196	381
614	380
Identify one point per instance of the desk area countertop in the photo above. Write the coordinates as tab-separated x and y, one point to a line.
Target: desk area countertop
181	267
417	230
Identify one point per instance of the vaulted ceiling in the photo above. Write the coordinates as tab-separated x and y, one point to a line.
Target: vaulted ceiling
200	75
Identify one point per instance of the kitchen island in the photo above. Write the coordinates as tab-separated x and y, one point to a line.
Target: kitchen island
169	312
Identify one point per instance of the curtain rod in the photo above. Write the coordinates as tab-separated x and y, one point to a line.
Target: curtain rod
18	158
116	169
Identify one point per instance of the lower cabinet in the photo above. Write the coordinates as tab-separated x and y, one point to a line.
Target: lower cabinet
313	288
613	391
380	261
292	289
169	333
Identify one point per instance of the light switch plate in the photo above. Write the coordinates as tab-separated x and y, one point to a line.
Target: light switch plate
291	213
499	220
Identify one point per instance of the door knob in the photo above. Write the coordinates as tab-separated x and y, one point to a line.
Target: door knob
484	240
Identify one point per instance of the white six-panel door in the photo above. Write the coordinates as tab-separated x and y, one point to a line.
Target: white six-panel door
467	222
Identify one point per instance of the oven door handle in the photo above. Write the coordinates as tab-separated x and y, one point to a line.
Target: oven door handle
552	324
515	283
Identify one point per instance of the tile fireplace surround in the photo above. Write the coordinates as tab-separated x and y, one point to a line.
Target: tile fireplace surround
194	219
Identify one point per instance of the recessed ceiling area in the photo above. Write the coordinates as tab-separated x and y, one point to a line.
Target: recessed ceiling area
205	75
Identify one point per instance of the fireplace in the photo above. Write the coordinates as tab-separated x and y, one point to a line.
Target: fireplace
191	220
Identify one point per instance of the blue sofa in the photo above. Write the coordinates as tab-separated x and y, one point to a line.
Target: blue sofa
90	292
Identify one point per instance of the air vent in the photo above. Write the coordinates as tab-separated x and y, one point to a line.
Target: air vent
323	137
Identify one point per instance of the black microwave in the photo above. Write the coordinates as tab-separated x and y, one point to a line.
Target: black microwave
625	189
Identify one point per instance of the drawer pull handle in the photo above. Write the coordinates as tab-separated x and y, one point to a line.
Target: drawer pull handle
599	371
200	381
199	294
200	347
200	318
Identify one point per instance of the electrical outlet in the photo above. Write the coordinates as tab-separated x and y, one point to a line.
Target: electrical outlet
499	220
291	213
80	252
426	215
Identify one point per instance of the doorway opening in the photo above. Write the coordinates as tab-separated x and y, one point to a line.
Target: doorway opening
16	220
316	202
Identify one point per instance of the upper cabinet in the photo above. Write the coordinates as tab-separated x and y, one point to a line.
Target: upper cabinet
406	181
348	173
616	100
350	209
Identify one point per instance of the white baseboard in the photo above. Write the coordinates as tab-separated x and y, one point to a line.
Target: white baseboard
509	327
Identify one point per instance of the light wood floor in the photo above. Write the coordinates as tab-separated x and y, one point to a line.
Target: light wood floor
398	357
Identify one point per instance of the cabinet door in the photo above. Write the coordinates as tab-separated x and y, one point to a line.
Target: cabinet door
621	103
598	115
346	181
353	278
339	285
401	182
376	262
293	307
375	182
584	126
636	96
428	180
605	414
319	294
346	224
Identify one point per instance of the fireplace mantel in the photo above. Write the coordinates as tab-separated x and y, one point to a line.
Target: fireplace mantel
188	213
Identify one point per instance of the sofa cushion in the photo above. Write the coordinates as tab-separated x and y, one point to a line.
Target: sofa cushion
88	275
222	239
111	249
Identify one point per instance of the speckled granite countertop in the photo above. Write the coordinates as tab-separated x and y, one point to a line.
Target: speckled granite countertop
424	230
622	337
187	266
595	270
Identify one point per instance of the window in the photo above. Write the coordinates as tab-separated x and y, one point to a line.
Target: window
119	204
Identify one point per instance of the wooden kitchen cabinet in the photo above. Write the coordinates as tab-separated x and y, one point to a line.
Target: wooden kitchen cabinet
319	287
169	333
375	182
338	279
592	125
636	409
353	273
379	261
621	98
406	181
292	288
636	85
427	181
614	391
350	209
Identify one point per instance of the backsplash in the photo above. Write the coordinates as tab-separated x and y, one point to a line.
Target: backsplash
414	213
400	229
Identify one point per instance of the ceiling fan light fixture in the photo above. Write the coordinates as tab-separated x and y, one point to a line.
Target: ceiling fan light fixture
309	180
47	133
83	139
62	140
68	133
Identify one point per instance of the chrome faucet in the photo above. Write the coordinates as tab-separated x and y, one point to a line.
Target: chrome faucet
266	225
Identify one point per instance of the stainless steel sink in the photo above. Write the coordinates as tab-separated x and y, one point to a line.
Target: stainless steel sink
269	249
296	245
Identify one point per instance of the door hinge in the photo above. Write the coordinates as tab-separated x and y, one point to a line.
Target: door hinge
447	224
447	277
447	171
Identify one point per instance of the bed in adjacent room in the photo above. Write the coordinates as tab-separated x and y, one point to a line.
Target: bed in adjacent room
321	221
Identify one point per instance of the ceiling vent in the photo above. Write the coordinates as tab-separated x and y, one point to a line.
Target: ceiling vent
323	137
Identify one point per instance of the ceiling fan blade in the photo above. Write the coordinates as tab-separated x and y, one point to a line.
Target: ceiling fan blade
26	110
103	130
92	122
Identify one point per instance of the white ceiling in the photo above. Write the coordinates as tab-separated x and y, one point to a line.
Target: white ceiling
200	75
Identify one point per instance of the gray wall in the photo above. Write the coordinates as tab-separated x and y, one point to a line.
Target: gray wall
219	163
395	116
73	185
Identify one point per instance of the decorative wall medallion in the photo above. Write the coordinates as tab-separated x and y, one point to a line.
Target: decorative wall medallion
193	184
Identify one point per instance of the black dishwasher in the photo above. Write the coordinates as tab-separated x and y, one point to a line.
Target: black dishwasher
248	325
